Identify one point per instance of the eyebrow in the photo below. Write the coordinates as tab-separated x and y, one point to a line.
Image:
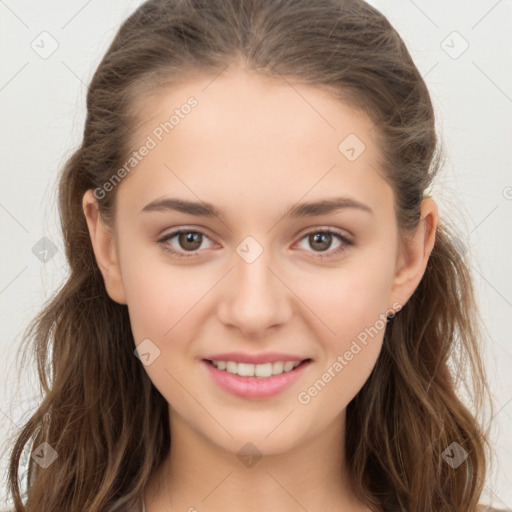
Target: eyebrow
309	209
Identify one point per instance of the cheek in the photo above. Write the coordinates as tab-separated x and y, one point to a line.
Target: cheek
351	304
158	294
162	303
346	300
358	320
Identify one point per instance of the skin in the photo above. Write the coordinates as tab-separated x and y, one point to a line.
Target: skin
254	147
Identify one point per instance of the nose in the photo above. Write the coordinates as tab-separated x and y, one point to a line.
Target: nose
255	298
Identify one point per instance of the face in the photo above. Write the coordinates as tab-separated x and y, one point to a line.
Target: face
263	279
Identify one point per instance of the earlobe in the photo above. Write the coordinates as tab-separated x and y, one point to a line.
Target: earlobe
414	253
105	252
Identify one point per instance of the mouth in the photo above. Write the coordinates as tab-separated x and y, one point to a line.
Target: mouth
260	371
255	381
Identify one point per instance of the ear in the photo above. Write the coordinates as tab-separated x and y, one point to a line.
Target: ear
414	253
105	251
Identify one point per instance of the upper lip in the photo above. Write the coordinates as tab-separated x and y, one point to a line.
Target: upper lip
268	357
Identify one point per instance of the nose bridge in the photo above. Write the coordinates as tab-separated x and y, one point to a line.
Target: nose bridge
255	298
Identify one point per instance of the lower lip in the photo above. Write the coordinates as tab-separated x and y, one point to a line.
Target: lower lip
255	387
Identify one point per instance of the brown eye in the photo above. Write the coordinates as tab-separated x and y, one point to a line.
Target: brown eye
190	241
321	241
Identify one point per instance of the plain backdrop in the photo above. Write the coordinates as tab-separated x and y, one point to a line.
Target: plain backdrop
463	49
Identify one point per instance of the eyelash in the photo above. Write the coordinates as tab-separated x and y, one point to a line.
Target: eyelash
179	254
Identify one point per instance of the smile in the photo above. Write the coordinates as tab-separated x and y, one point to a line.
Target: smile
263	371
255	381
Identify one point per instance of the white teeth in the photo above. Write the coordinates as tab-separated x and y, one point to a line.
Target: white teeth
288	366
245	370
277	367
263	370
231	367
259	370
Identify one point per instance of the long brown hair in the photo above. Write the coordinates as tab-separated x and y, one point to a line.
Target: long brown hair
100	412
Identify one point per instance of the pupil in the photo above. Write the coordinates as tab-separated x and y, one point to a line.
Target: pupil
318	238
190	238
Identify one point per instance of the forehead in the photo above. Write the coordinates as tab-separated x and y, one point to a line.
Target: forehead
240	134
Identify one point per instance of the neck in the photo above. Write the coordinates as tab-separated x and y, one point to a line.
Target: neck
198	475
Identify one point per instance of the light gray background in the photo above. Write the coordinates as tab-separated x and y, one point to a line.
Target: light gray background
42	102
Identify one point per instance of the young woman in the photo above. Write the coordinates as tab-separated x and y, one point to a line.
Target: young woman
264	310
